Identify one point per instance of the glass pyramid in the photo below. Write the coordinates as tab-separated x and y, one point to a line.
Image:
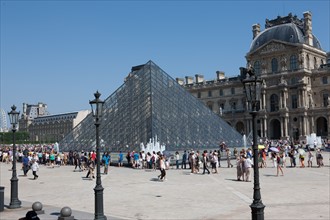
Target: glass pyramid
152	104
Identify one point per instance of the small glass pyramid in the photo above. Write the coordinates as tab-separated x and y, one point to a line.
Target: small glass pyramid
151	104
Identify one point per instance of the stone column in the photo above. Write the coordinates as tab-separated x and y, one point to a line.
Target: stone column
304	97
286	134
262	127
263	99
282	127
299	98
285	96
266	127
281	99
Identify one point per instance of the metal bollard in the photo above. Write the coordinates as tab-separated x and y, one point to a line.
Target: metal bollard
66	214
37	207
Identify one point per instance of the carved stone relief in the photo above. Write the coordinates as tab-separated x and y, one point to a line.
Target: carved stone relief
272	47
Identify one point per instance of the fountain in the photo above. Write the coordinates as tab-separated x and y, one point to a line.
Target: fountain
152	145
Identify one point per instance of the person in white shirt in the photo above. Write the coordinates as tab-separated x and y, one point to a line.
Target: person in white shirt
35	168
248	165
162	168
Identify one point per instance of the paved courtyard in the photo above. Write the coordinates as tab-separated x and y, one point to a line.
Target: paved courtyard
302	193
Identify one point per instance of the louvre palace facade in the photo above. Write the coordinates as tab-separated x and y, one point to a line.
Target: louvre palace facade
295	99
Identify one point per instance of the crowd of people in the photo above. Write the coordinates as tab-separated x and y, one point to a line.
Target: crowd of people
204	162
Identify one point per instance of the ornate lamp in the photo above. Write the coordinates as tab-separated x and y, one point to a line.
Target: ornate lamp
252	88
14	201
97	108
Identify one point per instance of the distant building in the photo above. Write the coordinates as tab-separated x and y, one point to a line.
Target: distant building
296	92
43	127
53	128
30	112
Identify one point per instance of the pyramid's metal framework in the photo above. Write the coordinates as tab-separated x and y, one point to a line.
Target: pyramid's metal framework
150	103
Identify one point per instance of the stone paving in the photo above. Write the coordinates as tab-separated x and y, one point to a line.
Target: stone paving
302	193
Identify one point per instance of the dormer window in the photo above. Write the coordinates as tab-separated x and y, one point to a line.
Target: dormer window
256	67
274	65
293	62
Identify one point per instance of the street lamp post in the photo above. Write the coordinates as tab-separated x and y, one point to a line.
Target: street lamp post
14	201
252	87
97	107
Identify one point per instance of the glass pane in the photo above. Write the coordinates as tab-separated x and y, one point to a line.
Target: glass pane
151	105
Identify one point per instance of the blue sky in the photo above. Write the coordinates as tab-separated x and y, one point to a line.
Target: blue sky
61	52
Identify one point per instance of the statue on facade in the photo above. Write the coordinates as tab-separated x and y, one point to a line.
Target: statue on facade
283	63
283	81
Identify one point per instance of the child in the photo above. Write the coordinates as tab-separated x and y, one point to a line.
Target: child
35	168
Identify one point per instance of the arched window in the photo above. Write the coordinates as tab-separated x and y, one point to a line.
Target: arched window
274	103
256	67
274	65
293	62
308	62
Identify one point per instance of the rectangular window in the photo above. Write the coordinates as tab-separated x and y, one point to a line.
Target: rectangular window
233	106
294	100
199	95
325	80
210	93
325	99
221	92
232	91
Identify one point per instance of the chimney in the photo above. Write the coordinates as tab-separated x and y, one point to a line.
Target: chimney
220	75
255	30
180	81
308	28
199	78
24	108
189	80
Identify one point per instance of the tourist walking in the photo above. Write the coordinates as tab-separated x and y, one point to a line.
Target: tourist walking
247	165
238	168
205	160
302	160
52	159
35	168
228	154
77	161
106	158
279	160
319	158
310	158
177	158
91	167
214	161
184	160
162	168
219	158
25	163
120	159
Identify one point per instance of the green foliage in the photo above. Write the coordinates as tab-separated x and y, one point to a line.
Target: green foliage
21	137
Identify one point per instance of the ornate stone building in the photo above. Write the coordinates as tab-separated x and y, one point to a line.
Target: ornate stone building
30	112
44	127
53	128
296	90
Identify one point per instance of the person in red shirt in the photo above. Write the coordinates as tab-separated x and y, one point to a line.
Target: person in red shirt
93	156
